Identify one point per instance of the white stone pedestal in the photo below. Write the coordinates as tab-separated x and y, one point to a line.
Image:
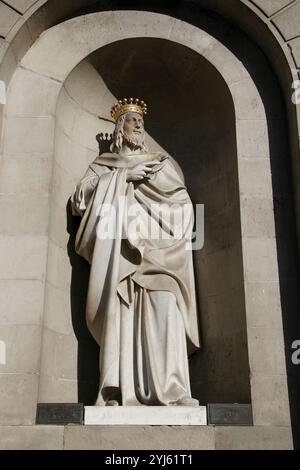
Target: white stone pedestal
145	415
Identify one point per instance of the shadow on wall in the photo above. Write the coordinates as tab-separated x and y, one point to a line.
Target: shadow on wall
88	350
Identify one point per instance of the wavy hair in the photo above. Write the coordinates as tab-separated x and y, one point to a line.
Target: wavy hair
118	136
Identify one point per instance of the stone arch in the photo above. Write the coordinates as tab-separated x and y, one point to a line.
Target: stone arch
32	100
192	117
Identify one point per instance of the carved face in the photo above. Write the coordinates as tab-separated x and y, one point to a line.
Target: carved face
133	129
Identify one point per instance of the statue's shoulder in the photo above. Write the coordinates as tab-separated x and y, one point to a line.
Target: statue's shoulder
100	165
105	157
110	160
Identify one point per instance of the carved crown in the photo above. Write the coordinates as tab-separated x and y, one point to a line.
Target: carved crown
126	105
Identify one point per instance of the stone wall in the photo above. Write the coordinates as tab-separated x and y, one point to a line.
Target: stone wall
145	438
34	203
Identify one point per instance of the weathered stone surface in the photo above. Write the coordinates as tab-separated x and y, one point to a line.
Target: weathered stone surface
248	103
221	326
58	230
85	86
48	352
21	302
57	315
8	17
21	41
31	437
252	138
231	71
288	22
29	136
33	95
155	26
260	259
138	437
217	201
145	415
20	176
209	269
257	215
18	398
66	112
8	65
69	57
263	304
267	348
21	5
54	347
63	185
52	389
59	268
66	347
295	45
38	22
270	7
186	35
270	402
43	437
255	177
3	48
72	156
23	257
24	214
253	438
23	344
86	127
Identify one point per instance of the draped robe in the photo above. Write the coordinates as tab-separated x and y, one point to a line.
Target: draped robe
141	304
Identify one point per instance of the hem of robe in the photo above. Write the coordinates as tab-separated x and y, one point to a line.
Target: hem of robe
125	292
145	383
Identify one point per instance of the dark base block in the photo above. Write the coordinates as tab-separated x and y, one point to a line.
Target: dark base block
225	414
59	413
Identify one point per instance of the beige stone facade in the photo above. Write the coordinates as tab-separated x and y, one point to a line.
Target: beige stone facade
229	67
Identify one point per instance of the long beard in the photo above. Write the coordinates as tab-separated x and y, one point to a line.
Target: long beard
135	141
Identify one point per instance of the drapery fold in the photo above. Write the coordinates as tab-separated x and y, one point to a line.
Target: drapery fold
125	266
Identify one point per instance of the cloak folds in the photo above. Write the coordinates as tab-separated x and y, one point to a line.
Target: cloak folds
127	271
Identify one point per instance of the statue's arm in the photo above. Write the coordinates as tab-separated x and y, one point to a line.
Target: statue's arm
84	191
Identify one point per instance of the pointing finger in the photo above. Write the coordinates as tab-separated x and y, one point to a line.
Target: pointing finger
154	162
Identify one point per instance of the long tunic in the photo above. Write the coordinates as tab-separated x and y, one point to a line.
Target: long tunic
141	304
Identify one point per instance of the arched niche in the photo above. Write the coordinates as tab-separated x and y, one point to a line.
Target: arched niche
192	118
32	115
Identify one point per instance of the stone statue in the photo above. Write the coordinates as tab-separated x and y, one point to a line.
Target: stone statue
141	303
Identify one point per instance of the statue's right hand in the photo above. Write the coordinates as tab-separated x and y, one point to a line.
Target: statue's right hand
140	171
